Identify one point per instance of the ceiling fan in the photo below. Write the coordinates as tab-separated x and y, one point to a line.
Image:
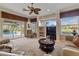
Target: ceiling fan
32	9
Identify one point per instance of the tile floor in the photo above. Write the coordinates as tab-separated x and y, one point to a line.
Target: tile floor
30	46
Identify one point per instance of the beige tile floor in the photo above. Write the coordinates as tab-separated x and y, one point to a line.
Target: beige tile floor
31	47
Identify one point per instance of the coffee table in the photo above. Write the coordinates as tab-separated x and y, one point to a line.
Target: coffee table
46	46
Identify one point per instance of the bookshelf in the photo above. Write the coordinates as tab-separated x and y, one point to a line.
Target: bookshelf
42	32
42	29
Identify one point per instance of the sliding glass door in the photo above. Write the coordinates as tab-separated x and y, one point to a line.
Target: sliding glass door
12	29
7	31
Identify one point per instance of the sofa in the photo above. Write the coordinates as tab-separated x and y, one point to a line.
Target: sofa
7	50
4	46
69	48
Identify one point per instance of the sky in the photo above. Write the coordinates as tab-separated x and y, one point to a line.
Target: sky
69	20
51	23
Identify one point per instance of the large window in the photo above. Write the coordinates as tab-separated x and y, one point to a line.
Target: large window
69	24
51	23
12	29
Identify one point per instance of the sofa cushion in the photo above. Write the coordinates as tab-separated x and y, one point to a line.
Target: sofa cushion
70	51
76	40
4	41
5	48
70	44
2	53
69	38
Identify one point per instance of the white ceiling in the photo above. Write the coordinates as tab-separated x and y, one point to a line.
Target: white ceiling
47	8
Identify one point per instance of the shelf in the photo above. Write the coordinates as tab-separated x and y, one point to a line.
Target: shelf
29	33
41	31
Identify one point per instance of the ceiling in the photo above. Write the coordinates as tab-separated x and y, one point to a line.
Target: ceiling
47	8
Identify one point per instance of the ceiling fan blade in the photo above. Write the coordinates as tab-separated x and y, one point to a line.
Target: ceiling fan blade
36	12
25	9
29	7
31	12
38	9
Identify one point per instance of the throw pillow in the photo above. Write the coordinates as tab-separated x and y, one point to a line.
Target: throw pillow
76	40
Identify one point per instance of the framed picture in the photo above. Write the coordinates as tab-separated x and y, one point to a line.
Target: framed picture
28	26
